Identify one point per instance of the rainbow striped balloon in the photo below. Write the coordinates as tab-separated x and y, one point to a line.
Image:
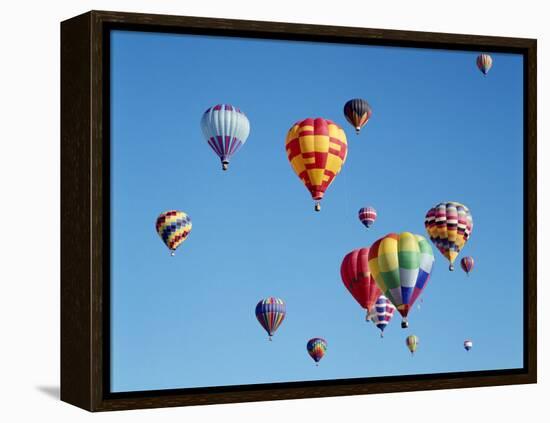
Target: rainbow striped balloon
173	227
467	264
484	62
412	343
316	348
401	265
271	312
367	216
382	313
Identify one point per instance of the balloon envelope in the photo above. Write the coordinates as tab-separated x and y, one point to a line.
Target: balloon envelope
173	227
367	216
357	278
271	312
467	264
382	313
401	265
449	226
357	112
316	149
484	62
226	129
412	343
316	348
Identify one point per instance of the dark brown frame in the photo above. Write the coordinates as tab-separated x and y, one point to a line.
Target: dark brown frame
85	210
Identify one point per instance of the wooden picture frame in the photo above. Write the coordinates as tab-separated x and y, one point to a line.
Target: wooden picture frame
85	210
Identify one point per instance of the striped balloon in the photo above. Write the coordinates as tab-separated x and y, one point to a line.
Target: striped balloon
449	226
484	62
401	265
316	149
382	313
173	227
468	345
467	264
357	112
367	216
316	347
271	312
412	343
226	129
357	278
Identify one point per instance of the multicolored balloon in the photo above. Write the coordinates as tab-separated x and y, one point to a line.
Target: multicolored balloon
382	313
412	343
316	347
357	112
173	227
468	345
226	129
316	149
271	312
484	63
467	264
367	216
358	280
401	265
449	226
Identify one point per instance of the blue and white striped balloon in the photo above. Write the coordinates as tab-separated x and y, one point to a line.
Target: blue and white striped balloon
382	313
226	129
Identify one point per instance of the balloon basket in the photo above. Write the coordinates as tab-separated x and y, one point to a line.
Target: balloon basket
172	253
451	267
317	206
225	165
404	324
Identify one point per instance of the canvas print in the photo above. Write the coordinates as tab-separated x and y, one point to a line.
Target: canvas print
287	211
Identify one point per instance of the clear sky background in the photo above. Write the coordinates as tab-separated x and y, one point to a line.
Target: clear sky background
440	131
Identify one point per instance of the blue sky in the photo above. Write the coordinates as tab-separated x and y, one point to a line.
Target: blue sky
440	131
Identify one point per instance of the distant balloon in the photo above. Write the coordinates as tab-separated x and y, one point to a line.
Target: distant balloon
484	63
401	265
468	345
358	280
226	129
173	227
270	312
316	347
316	149
412	343
357	112
467	264
367	216
382	313
449	226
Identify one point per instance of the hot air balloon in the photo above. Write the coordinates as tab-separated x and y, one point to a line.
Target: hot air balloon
226	129
173	227
401	265
382	313
357	278
467	264
412	343
468	345
484	63
270	312
316	149
449	226
316	347
367	216
357	112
